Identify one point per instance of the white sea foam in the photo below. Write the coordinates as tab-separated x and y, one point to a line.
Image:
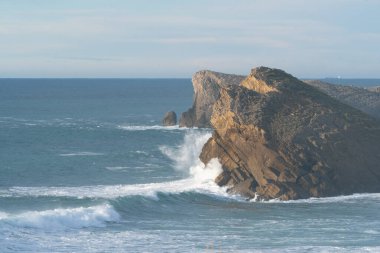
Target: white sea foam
141	152
200	178
145	128
117	168
197	184
186	155
315	249
83	153
372	231
3	215
357	197
94	216
204	173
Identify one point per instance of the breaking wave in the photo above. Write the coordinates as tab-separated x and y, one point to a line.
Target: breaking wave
357	197
155	127
94	216
82	154
197	183
187	154
199	177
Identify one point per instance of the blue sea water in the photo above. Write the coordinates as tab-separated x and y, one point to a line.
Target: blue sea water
86	167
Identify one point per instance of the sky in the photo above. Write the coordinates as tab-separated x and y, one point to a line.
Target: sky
175	38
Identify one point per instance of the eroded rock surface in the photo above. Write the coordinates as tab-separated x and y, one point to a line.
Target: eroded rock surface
366	100
207	85
170	119
278	137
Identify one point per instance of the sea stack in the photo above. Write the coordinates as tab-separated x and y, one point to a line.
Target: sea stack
170	119
277	137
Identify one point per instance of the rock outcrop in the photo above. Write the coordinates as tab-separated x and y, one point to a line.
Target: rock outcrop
207	85
170	119
375	89
366	100
277	137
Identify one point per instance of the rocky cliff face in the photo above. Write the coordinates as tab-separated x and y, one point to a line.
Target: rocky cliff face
366	100
207	85
277	137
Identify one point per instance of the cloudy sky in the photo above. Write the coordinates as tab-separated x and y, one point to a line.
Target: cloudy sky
174	38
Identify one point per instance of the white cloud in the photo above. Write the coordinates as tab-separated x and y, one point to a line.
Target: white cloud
228	36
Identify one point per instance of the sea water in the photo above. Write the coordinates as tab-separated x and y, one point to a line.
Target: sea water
85	166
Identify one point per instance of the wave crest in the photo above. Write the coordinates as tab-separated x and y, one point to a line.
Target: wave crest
200	177
84	153
186	155
353	198
95	216
145	128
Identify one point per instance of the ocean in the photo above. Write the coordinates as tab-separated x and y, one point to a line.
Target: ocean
85	166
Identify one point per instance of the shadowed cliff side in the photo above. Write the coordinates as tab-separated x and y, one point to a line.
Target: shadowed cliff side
277	137
366	100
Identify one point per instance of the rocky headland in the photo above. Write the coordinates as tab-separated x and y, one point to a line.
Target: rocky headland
207	85
366	100
278	137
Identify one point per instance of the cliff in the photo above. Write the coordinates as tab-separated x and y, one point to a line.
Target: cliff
366	100
277	137
207	85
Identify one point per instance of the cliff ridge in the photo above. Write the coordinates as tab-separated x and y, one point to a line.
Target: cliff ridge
278	137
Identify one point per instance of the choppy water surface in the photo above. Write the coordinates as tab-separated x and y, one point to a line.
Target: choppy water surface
86	167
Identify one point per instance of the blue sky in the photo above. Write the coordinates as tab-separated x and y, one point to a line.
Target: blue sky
175	38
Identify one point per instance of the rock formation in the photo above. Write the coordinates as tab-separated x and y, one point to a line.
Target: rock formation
207	85
375	89
277	137
366	100
170	119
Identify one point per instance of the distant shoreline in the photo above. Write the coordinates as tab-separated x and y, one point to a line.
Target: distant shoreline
357	82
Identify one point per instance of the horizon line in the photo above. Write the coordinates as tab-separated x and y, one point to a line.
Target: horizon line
301	78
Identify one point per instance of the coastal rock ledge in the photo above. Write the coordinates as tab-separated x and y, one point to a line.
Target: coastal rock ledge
277	137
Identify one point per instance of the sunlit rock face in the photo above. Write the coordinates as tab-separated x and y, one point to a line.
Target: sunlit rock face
278	137
207	85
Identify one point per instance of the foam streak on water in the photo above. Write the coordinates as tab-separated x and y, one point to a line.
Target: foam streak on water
196	184
187	154
84	153
357	197
85	167
200	177
94	216
154	127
